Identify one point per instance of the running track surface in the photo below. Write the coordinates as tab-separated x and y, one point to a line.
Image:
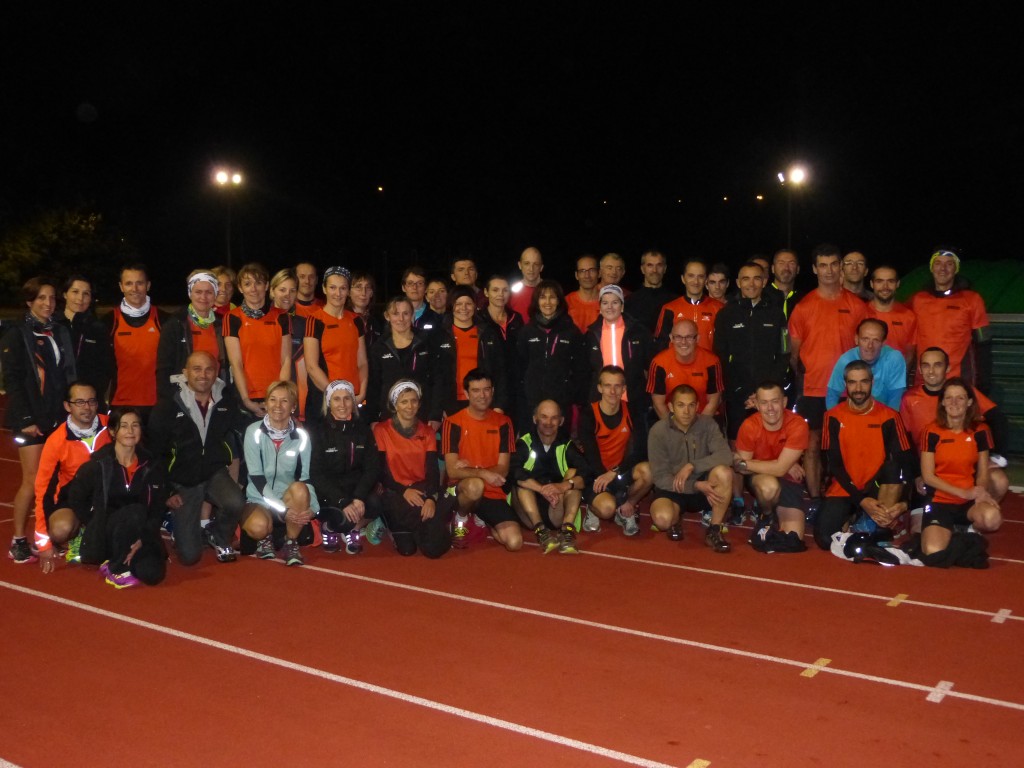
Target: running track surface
638	652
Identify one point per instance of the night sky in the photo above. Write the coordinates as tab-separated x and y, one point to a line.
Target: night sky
565	127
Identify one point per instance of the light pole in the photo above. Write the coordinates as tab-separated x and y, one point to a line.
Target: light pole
229	180
790	179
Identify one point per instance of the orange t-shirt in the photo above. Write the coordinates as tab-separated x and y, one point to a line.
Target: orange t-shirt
135	358
956	456
308	310
902	324
865	441
260	341
702	313
205	340
919	406
406	457
612	442
765	445
582	312
339	343
826	328
479	441
467	353
947	322
704	374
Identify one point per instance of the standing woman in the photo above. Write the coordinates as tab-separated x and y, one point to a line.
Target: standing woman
552	362
954	467
120	495
507	324
196	328
400	353
411	476
38	363
89	337
278	493
344	472
360	301
284	287
258	341
335	347
226	281
459	346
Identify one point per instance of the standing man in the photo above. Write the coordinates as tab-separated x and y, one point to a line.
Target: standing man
477	443
584	304
548	465
613	269
855	269
135	337
785	268
718	282
693	305
306	300
691	468
769	445
821	328
901	320
953	318
870	460
414	286
645	303
685	363
531	265
888	369
194	432
464	273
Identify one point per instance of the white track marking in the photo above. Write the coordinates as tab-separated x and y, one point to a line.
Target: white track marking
390	693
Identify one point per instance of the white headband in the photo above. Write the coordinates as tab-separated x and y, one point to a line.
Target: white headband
337	384
400	387
203	277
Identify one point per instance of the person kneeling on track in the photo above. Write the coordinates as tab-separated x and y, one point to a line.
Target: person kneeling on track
120	497
344	470
64	452
614	454
768	449
279	495
548	463
195	434
955	467
477	443
410	475
690	463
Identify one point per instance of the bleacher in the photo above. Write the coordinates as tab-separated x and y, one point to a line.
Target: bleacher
1008	374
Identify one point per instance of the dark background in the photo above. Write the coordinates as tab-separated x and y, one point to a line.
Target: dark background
489	129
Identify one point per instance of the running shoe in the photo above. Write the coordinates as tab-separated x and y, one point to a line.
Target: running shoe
290	552
628	524
548	540
353	542
675	532
224	551
460	536
567	541
714	539
265	548
20	552
737	511
331	540
705	518
118	580
591	523
374	531
74	553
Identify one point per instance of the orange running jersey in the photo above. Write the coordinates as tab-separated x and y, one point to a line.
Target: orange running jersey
339	344
956	456
467	352
704	374
612	442
919	406
135	358
260	341
703	313
826	328
858	444
583	313
902	324
406	457
767	446
947	322
479	441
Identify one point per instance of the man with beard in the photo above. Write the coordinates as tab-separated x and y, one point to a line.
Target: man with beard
901	320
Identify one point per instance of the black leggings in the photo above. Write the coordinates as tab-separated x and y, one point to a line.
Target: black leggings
334	519
410	532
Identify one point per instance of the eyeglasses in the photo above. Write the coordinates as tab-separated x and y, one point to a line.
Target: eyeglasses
589	270
677	337
83	403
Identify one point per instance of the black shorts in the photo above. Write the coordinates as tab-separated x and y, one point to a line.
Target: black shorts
687	502
812	409
494	512
21	440
946	515
791	493
618	488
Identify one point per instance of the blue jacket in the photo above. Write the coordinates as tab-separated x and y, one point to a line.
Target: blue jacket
273	468
889	370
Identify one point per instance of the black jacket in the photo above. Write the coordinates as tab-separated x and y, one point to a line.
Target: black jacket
94	360
387	365
553	364
637	349
751	341
31	398
344	463
490	357
175	439
175	347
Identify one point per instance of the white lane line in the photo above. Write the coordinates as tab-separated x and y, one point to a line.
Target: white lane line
437	706
13	461
663	638
1002	616
798	585
940	691
5	764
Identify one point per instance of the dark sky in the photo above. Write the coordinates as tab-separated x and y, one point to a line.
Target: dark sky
563	126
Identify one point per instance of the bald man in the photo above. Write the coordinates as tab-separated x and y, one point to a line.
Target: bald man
531	265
